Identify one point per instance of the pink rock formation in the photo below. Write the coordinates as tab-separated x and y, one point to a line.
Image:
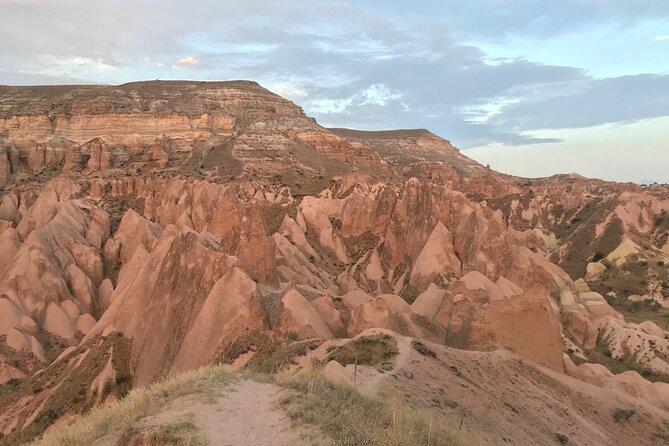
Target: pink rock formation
190	214
298	316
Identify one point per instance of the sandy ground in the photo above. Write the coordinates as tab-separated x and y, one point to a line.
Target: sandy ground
244	413
248	413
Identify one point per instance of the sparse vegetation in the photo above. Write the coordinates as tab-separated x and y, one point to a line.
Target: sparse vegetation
120	416
640	311
64	388
280	355
423	349
374	351
180	433
107	388
602	355
269	356
352	419
359	245
562	439
622	415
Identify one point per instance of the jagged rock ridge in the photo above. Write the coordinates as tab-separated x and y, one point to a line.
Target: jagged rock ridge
177	217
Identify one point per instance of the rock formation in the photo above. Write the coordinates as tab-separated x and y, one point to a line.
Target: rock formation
170	221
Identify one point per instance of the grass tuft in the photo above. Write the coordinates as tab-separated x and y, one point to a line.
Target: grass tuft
423	349
374	351
180	433
352	419
120	416
622	415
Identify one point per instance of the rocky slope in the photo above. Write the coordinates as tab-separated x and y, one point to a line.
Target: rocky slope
149	228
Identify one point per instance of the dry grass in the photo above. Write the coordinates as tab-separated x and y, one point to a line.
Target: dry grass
375	351
270	355
180	433
64	387
341	413
352	419
119	417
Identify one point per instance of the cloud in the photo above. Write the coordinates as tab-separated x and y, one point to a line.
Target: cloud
150	62
349	63
498	19
615	100
185	62
663	38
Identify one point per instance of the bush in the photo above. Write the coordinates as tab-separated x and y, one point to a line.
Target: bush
562	439
375	351
121	378
423	349
109	385
622	415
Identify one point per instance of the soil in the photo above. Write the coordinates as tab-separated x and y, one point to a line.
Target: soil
245	413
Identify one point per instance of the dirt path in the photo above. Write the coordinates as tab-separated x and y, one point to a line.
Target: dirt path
243	413
248	413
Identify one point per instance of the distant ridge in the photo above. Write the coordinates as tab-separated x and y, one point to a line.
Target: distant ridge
382	134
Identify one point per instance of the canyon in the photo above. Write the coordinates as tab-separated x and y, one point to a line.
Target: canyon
152	228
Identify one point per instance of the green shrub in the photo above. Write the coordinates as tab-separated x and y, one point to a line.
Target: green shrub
423	349
374	351
622	415
108	386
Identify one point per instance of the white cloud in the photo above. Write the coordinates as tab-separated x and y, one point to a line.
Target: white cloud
378	94
148	61
71	66
185	62
352	63
287	90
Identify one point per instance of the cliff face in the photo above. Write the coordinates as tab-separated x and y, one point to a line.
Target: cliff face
134	125
169	220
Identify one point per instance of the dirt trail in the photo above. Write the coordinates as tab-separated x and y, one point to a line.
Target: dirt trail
244	413
248	413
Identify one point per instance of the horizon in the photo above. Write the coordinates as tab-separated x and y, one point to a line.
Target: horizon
647	182
533	88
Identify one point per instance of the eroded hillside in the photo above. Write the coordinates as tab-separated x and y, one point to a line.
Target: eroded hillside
148	229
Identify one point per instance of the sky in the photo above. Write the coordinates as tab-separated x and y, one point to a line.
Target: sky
531	87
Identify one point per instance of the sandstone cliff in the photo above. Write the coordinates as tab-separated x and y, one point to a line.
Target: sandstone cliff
167	222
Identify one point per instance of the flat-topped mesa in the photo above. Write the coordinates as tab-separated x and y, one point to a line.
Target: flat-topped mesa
219	131
43	126
382	134
405	147
161	97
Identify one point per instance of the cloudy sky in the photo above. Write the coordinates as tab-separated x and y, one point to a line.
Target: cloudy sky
532	87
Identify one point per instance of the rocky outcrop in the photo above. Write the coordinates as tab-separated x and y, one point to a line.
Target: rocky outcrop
298	317
166	300
5	169
52	262
98	154
191	217
232	308
436	260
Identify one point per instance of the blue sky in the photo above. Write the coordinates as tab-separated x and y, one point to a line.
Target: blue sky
532	87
